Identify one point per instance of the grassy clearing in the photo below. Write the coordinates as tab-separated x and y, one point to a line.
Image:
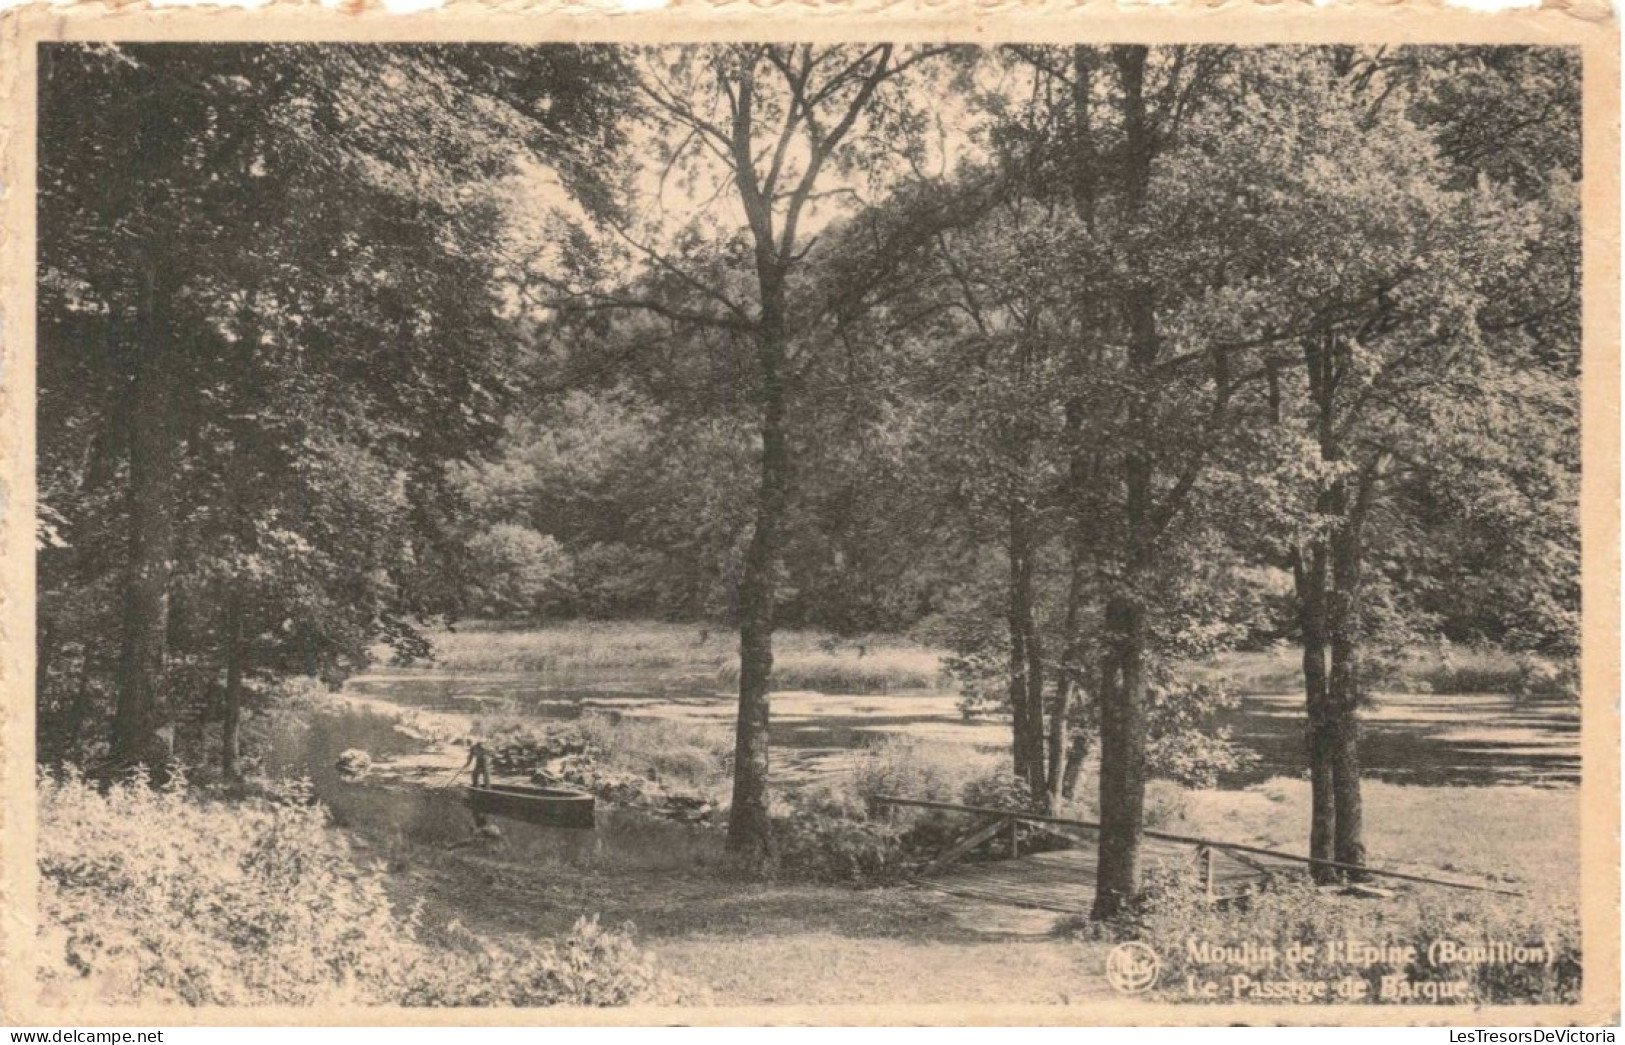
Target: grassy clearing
759	943
803	660
801	938
1521	837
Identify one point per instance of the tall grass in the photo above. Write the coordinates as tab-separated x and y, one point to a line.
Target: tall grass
1458	669
584	647
846	671
1444	668
805	660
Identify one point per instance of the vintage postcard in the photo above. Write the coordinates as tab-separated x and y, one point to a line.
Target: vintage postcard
944	514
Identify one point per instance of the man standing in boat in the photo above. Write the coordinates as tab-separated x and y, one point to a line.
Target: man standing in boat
481	763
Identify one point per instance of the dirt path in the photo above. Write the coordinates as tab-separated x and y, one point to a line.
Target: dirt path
750	943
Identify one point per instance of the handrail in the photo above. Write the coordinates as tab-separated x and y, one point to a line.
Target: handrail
1042	818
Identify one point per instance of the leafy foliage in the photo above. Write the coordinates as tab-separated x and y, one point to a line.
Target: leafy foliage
158	896
592	966
289	259
153	896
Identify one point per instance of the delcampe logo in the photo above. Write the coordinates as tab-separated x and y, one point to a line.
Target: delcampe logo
1132	967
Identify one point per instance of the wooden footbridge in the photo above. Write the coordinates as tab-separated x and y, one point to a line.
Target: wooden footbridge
1063	880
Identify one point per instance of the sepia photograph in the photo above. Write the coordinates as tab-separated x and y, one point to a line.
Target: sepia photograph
732	524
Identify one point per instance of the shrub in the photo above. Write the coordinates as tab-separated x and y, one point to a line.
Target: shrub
1198	759
1187	745
689	757
153	896
1175	913
819	847
999	789
584	648
908	768
524	747
592	966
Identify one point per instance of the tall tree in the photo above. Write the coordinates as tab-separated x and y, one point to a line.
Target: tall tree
775	130
1134	120
1385	288
261	285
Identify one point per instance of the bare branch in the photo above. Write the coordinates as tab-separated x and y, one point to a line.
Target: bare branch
687	279
590	301
1035	58
823	146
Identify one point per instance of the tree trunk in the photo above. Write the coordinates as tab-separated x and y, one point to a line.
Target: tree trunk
1122	710
1122	758
1066	675
1309	574
1344	731
1055	754
1077	752
750	837
140	711
1026	679
1344	687
232	703
1329	600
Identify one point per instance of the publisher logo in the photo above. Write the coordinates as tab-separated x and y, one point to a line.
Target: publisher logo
1132	967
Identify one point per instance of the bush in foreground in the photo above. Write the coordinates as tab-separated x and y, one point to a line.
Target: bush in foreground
159	896
592	966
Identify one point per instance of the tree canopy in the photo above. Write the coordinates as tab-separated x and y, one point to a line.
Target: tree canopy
1084	362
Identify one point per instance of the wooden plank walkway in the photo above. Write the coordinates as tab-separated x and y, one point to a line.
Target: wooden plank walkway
1063	880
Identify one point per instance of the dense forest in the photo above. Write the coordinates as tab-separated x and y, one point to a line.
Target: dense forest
1083	363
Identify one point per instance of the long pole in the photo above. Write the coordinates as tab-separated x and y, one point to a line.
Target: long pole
1037	818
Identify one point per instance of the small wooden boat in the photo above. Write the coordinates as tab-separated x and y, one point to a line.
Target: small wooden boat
549	806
